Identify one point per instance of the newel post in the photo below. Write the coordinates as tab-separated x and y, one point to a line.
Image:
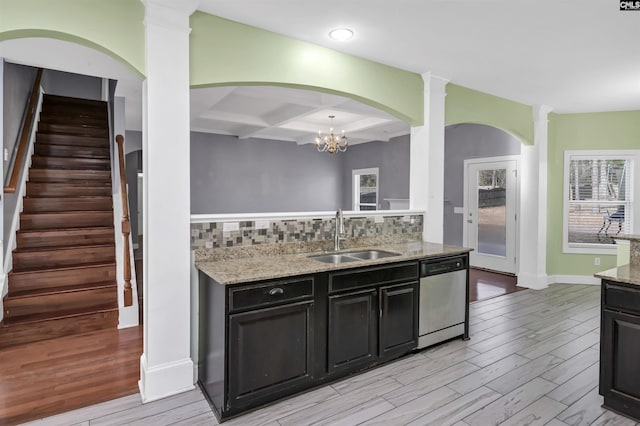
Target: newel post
126	224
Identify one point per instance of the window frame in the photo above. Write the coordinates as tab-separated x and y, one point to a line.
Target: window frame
631	155
355	186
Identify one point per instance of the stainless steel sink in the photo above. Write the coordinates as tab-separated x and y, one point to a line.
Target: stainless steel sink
333	258
337	258
372	254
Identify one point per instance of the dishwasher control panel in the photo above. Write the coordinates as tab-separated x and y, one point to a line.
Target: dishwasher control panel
442	265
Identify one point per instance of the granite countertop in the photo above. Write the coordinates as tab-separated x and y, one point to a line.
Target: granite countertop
249	269
624	274
629	237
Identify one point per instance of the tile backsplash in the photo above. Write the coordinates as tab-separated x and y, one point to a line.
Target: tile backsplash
211	234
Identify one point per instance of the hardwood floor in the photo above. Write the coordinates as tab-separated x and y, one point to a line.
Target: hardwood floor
58	375
532	360
487	284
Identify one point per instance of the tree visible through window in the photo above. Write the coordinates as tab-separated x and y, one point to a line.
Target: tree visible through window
598	198
365	189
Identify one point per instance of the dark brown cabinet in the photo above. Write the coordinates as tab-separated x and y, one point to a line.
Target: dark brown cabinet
620	348
352	332
372	316
270	353
260	342
398	319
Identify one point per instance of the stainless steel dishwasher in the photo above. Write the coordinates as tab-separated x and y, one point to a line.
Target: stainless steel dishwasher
443	300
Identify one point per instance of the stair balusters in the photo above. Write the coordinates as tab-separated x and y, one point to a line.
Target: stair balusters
126	224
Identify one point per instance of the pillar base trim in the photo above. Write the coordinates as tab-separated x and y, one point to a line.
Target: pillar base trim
165	380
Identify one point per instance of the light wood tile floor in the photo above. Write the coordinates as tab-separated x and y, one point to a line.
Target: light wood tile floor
532	360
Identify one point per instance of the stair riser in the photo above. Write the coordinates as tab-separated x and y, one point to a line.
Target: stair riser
62	119
60	175
66	100
71	151
40	205
45	330
53	220
82	130
69	163
63	257
51	279
64	238
66	190
71	140
83	300
74	109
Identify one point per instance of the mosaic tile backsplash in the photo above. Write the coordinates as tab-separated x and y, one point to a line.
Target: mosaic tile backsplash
210	235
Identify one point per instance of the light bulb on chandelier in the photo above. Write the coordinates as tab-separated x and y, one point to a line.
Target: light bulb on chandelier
332	143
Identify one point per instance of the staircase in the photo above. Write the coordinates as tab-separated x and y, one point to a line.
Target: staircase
64	274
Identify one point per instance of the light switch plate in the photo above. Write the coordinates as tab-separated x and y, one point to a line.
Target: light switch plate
261	224
378	219
407	218
208	244
230	226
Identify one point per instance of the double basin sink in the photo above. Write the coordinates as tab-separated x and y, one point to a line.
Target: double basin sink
337	258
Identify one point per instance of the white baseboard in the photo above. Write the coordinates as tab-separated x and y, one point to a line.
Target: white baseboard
165	380
574	279
533	281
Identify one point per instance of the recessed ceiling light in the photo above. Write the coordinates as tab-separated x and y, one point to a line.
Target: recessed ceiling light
341	34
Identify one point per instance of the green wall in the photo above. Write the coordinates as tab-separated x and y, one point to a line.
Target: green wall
602	130
114	27
224	52
464	105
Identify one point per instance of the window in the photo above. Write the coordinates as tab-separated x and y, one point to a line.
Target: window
365	189
599	199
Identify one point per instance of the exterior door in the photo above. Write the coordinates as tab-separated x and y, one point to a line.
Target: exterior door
490	216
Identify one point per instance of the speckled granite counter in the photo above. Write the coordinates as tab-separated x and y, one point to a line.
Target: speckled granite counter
624	274
257	268
629	273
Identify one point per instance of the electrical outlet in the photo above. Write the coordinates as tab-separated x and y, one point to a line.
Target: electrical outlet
208	244
596	261
378	219
230	226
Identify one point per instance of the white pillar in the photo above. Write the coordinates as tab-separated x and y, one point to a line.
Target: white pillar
426	181
165	366
532	271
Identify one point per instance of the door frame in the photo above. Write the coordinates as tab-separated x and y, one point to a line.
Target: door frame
465	233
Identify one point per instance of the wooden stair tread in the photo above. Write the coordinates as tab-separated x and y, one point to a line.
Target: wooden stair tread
63	268
29	319
70	99
65	231
62	289
55	249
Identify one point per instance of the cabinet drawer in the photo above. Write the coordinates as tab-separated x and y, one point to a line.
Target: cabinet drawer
383	274
619	297
270	293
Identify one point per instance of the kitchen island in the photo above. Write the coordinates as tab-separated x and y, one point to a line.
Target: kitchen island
620	334
276	321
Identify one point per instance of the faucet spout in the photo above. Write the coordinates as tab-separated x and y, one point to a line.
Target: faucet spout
339	231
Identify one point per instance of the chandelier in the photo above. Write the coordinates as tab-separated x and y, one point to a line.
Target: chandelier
331	143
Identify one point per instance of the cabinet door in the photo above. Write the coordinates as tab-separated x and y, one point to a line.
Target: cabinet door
619	362
398	319
352	331
270	353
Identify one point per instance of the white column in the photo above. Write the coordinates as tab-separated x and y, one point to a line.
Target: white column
165	366
426	181
533	205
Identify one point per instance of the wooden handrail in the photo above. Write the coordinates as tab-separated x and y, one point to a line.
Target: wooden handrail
18	164
126	224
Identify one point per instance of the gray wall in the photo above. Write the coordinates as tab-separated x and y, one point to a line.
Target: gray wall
73	85
392	159
132	141
133	165
463	142
229	175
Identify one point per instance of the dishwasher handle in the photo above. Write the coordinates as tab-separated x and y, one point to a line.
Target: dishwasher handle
442	266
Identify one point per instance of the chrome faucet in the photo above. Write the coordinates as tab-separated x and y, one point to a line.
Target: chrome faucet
339	232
